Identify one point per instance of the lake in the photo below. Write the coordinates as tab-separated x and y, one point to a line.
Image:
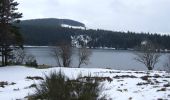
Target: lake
100	58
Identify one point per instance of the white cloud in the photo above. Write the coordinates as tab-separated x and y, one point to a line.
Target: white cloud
133	15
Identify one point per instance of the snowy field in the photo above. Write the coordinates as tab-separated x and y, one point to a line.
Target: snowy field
124	85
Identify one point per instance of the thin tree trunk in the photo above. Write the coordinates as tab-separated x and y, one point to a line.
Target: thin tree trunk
6	60
3	61
58	59
6	56
80	62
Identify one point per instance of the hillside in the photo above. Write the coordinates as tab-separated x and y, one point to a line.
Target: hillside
51	31
52	22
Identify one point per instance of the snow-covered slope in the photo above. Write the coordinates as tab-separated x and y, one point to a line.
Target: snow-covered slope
75	27
125	85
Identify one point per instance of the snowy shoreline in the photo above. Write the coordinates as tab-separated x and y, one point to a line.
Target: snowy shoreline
124	85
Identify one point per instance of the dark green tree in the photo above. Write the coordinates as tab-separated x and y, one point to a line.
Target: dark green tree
9	34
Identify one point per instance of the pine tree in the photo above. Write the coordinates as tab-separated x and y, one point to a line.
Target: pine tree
9	34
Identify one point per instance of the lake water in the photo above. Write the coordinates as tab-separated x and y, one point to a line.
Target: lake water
115	59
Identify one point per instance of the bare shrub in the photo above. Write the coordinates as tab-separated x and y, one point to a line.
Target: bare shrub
55	53
83	56
18	56
30	60
167	65
147	55
63	54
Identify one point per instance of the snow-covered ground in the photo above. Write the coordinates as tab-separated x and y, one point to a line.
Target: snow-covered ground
125	85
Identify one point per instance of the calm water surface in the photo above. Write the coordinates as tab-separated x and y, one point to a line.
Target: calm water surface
116	59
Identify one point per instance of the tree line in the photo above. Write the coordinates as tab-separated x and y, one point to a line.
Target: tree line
50	35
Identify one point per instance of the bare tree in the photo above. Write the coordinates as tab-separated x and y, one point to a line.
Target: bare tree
18	56
167	65
147	55
63	54
55	53
83	56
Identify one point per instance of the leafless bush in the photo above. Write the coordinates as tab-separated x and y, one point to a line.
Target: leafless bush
83	56
63	54
147	55
18	56
55	53
167	65
30	60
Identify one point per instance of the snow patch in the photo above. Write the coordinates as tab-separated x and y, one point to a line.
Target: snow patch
75	27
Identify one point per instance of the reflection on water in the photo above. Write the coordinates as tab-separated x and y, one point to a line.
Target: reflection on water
123	60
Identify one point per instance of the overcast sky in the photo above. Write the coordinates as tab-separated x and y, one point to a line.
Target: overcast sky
119	15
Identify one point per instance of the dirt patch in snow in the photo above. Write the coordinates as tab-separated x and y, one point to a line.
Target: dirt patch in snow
124	76
99	79
34	78
5	83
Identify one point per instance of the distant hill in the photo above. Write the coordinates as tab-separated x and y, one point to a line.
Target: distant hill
52	22
50	31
